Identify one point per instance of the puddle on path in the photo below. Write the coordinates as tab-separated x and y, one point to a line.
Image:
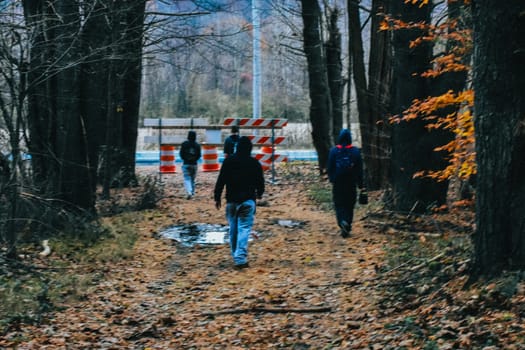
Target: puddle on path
290	223
198	233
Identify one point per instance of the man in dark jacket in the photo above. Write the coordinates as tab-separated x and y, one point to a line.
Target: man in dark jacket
345	172
190	153
242	175
230	143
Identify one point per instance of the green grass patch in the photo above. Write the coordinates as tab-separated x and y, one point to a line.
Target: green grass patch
321	194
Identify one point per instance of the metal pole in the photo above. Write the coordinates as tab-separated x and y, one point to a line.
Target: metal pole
160	152
256	87
273	151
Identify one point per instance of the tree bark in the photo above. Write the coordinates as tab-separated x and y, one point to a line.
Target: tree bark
74	183
320	102
132	90
359	74
376	130
96	39
412	143
499	78
334	70
41	123
57	128
113	42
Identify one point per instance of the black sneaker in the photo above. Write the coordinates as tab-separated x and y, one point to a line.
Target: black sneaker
345	229
241	266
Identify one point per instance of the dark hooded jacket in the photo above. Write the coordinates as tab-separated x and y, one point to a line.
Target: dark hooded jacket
230	144
355	176
190	150
241	174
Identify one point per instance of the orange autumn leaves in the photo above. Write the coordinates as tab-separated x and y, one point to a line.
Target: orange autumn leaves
462	158
460	151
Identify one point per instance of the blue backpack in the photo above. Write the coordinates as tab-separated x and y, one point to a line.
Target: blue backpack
344	162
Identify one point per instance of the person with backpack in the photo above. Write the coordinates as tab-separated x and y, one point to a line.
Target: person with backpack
190	153
230	143
243	177
345	172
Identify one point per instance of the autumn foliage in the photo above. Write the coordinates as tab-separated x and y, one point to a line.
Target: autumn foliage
457	47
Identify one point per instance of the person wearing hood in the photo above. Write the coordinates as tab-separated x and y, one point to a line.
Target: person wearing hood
230	143
345	172
190	153
243	177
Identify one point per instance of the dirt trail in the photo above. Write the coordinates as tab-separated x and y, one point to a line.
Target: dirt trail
306	287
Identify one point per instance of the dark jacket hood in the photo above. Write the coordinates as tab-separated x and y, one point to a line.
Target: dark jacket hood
192	135
345	137
244	147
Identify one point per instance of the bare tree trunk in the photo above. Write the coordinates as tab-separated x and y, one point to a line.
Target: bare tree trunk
376	130
97	46
41	109
320	104
334	71
499	78
74	183
412	143
359	74
57	128
131	93
116	32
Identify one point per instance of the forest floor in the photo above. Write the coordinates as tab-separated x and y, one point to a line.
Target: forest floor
399	281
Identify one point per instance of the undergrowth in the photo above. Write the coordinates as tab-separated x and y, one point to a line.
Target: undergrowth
34	285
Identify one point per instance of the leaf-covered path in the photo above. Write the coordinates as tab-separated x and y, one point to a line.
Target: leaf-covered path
306	287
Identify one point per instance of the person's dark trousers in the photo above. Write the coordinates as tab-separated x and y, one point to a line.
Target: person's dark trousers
344	195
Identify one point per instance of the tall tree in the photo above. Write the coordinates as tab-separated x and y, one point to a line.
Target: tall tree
128	108
375	130
57	128
41	125
96	39
499	106
412	142
334	70
320	102
357	65
123	72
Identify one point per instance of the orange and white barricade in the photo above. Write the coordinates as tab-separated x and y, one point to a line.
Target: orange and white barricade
167	159
210	158
267	155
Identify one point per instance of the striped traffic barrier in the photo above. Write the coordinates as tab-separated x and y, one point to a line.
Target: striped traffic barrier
266	140
210	158
265	157
256	122
167	159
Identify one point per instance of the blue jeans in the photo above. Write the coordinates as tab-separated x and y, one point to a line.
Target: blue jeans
240	217
190	172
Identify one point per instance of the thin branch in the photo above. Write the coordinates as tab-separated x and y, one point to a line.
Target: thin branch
171	14
269	310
